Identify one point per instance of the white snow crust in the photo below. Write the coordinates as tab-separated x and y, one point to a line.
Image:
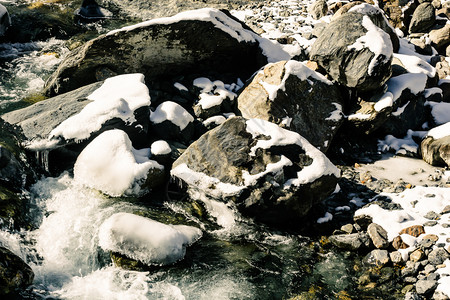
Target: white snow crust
118	97
146	240
172	112
111	164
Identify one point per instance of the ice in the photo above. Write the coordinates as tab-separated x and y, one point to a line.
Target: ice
118	97
377	41
172	112
146	240
111	164
160	148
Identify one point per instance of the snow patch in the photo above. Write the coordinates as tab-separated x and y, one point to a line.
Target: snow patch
440	112
173	112
414	64
440	131
146	240
160	148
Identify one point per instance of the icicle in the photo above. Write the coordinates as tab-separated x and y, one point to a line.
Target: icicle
42	159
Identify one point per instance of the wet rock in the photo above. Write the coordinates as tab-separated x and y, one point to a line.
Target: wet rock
436	152
425	287
437	256
414	230
318	9
378	236
5	20
354	65
179	45
90	11
377	258
423	18
15	274
352	241
296	98
258	165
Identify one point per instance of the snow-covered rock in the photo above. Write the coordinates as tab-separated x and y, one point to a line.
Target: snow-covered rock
110	164
297	98
355	51
146	240
271	173
436	146
214	98
172	122
190	42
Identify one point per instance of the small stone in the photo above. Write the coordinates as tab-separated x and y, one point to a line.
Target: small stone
438	256
424	287
410	279
411	295
348	228
446	225
446	210
429	269
430	195
430	223
414	230
352	241
398	243
431	215
396	257
438	295
433	276
377	257
416	255
431	237
378	236
363	221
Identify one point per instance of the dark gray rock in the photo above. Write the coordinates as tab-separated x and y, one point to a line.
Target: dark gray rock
437	256
15	274
169	47
5	20
423	18
349	62
425	287
377	258
302	100
318	9
436	152
258	165
378	236
352	241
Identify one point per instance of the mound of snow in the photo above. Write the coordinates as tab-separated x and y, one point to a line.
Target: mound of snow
440	131
160	147
111	164
146	240
118	97
172	112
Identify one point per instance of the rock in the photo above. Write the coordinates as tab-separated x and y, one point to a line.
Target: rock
431	215
426	287
5	20
15	274
363	221
443	66
446	210
191	42
352	241
414	230
416	255
440	38
423	18
172	122
436	152
318	9
344	51
377	258
60	127
296	98
396	257
378	236
260	166
161	152
348	228
13	209
90	11
437	256
412	296
438	295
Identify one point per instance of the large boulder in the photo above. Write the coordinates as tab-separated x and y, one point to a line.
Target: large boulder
190	42
270	173
5	20
15	274
61	127
299	99
435	147
355	51
423	18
